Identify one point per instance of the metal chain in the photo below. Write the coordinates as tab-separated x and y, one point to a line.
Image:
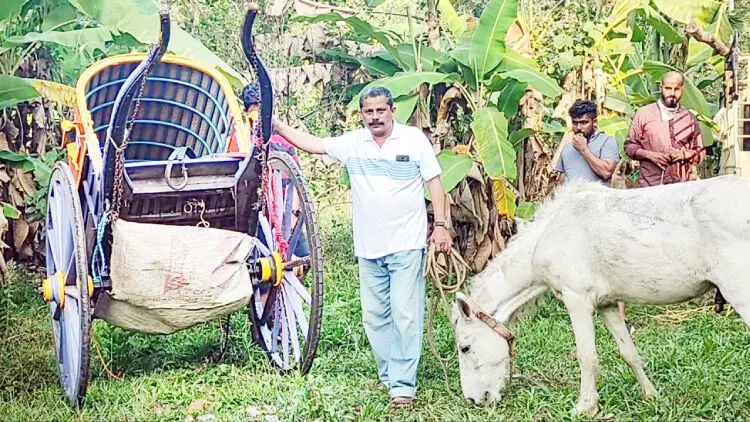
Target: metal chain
120	152
257	135
261	204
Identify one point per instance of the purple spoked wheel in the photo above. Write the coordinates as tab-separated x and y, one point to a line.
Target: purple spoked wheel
67	266
286	318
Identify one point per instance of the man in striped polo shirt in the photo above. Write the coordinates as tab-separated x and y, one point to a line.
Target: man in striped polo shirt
388	165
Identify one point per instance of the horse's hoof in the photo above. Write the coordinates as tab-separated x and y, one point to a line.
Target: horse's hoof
650	393
587	409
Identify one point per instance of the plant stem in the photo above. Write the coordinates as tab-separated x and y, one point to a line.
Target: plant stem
396	14
616	71
632	73
417	61
467	96
27	52
32	47
622	56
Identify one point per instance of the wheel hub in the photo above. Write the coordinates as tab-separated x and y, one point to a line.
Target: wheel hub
53	289
272	269
299	271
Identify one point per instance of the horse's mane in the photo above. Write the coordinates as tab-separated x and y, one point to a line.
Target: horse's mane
564	194
481	284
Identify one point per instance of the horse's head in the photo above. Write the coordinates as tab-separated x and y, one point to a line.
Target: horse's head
484	351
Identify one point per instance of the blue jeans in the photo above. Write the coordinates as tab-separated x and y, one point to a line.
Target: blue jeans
392	290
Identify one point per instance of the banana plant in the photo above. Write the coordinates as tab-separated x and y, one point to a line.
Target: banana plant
490	78
633	44
109	28
15	90
78	33
645	65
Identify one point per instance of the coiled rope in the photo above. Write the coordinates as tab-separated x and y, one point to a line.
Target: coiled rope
439	268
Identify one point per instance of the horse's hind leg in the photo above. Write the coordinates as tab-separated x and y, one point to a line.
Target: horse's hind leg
616	326
737	295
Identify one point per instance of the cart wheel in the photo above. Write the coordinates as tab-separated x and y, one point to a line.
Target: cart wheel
286	316
66	287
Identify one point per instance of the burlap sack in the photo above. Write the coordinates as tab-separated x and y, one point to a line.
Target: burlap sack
168	278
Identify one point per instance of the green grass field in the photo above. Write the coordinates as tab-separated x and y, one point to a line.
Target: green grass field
701	367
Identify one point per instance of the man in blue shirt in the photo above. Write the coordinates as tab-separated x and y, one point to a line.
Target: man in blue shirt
592	156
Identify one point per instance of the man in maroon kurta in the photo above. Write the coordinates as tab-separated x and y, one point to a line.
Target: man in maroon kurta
665	137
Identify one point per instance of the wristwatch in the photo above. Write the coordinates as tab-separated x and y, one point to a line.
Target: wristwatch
439	224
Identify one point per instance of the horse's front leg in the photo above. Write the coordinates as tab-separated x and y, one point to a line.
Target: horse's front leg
616	326
582	318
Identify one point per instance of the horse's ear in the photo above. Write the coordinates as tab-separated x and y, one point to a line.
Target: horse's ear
463	305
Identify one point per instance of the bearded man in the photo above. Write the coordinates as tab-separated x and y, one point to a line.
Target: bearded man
665	137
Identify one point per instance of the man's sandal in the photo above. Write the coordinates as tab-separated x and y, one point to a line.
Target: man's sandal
401	402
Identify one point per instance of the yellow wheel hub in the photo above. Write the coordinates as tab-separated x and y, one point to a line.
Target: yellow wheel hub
47	291
279	264
272	268
61	284
265	269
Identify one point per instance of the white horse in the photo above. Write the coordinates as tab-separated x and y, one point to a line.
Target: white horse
592	246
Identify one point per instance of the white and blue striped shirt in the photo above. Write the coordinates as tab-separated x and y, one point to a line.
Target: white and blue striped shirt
387	188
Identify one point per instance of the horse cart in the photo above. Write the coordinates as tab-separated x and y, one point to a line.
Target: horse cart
167	182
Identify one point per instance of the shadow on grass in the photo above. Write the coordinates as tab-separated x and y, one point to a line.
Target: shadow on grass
699	365
25	363
29	363
135	353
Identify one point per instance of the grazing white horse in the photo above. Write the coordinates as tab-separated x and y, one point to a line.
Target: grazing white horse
592	246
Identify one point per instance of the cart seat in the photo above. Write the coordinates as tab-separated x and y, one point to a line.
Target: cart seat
213	172
182	104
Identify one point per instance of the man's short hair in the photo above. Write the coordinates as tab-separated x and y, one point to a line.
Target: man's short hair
376	91
582	108
250	95
673	74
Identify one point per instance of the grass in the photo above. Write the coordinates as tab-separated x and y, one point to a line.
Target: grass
700	366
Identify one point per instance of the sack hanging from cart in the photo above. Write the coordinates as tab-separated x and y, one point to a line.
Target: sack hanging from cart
168	278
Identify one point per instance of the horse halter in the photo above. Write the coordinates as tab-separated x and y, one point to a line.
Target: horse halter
494	324
497	327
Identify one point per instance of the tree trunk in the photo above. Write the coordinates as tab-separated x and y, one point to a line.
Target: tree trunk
433	33
433	36
694	30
